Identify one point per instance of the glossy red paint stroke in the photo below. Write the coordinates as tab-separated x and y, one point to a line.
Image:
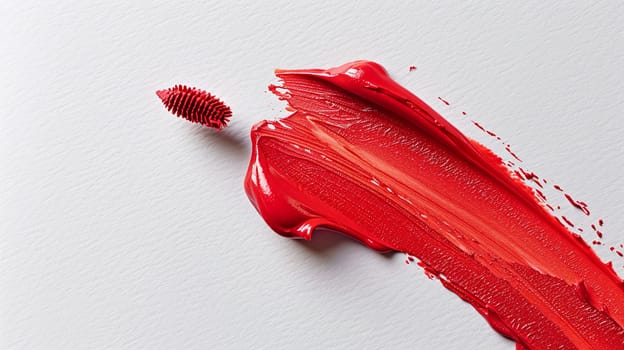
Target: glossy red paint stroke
363	156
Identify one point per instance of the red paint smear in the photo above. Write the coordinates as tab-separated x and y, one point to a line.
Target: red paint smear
363	156
445	101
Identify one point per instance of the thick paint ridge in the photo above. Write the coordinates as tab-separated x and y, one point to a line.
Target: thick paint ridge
365	157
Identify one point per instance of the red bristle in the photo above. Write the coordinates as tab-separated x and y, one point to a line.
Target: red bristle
196	106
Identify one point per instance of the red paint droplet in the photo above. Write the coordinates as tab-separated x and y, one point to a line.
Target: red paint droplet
464	113
580	229
196	106
443	100
545	181
599	234
410	258
611	248
593	227
594	242
412	68
619	253
557	187
600	222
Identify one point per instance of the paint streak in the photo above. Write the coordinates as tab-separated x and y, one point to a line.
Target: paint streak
508	149
363	156
578	204
567	221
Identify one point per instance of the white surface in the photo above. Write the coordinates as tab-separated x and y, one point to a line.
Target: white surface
122	227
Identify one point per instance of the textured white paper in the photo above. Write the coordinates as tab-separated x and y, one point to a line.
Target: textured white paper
122	227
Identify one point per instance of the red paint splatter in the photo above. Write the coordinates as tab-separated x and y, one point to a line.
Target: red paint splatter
529	175
578	204
567	221
508	149
478	125
443	100
540	194
412	68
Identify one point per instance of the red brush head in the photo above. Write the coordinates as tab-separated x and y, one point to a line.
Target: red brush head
196	106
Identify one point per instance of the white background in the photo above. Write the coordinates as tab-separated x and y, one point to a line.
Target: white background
122	227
